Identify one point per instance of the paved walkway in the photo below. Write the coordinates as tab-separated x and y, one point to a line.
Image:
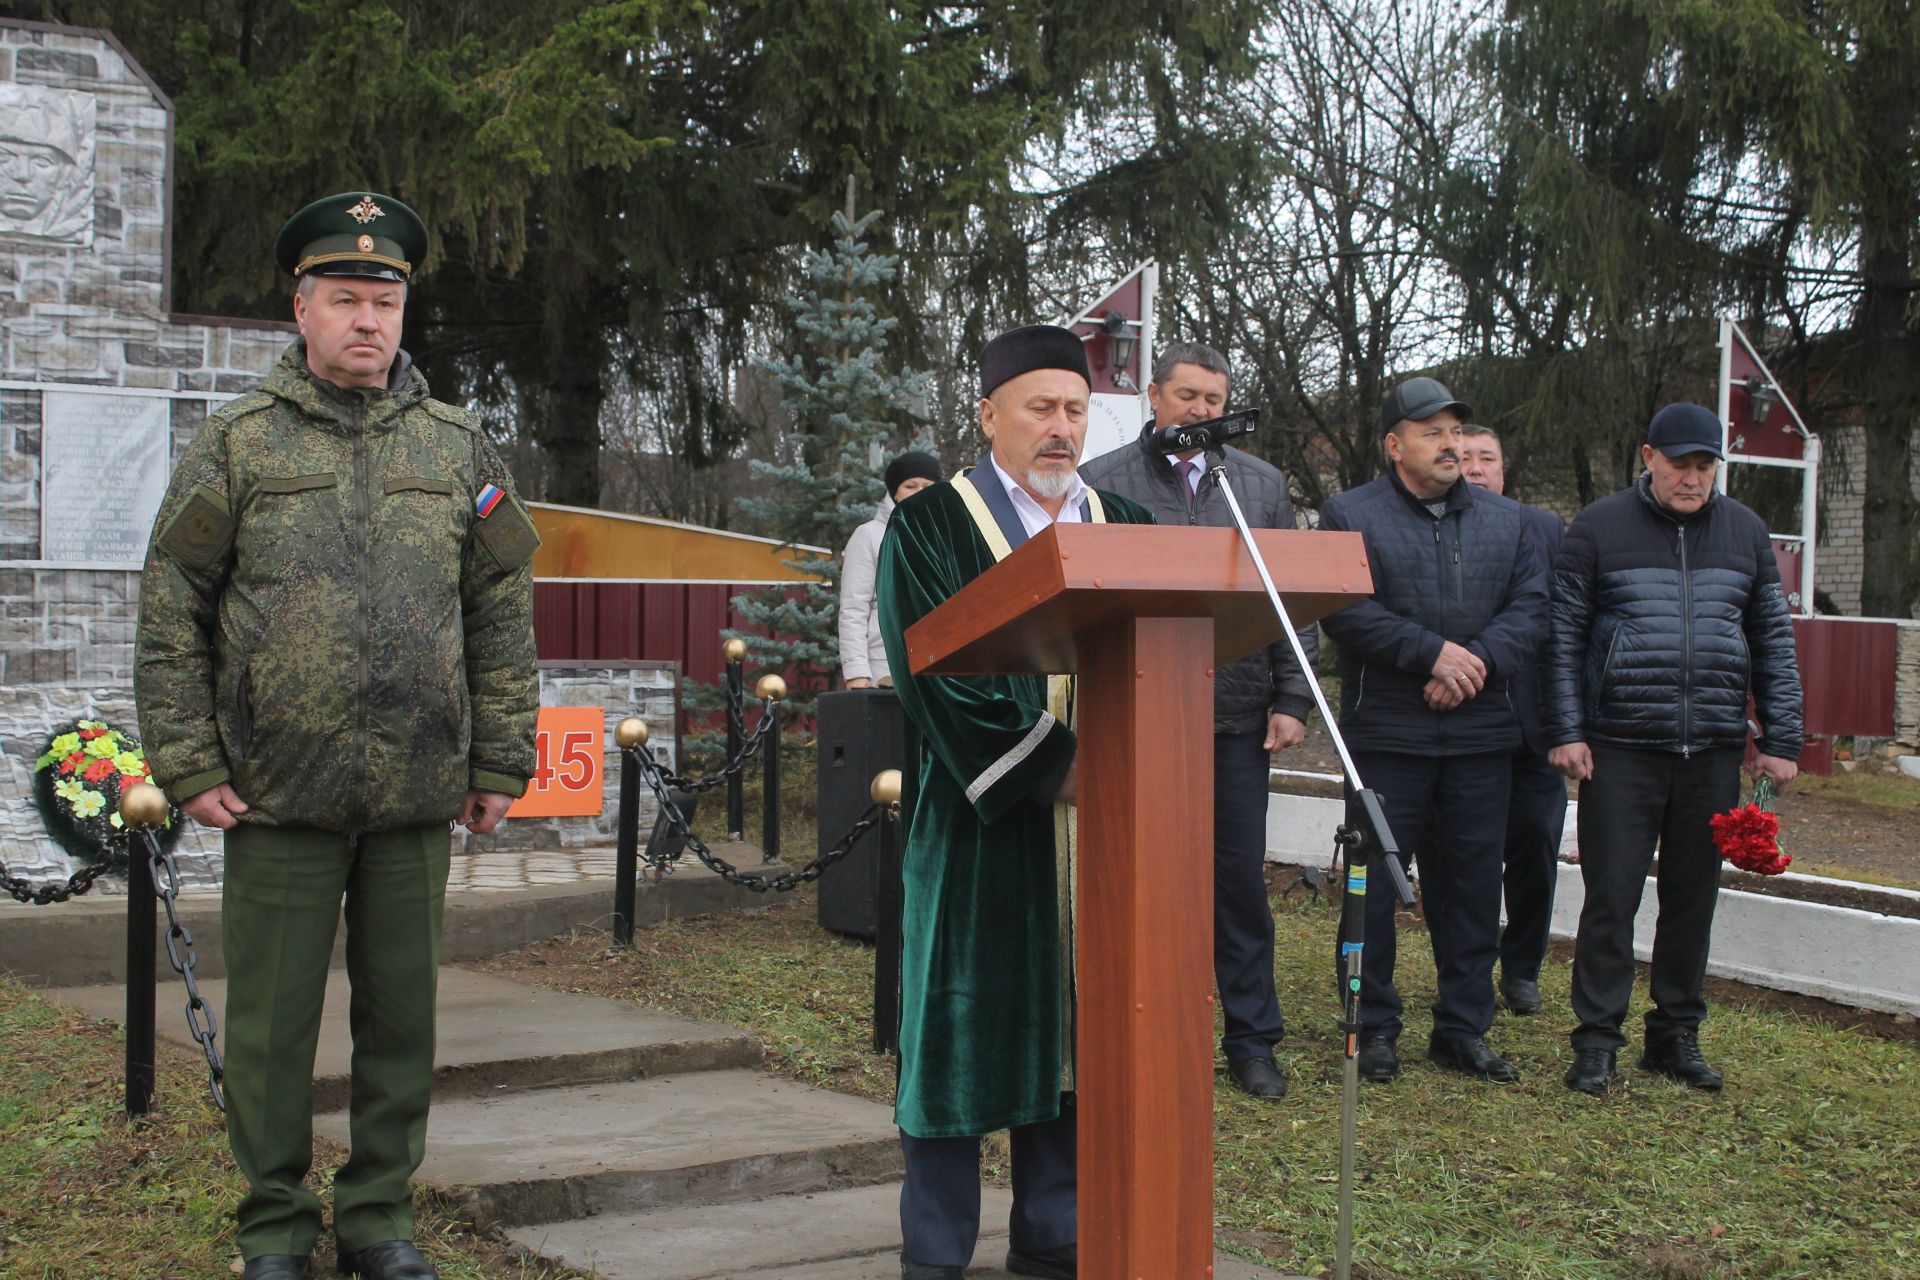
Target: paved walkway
636	1145
626	1143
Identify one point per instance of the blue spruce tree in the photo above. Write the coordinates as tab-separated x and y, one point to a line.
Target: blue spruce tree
849	411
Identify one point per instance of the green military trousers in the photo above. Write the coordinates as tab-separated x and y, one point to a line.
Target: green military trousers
280	906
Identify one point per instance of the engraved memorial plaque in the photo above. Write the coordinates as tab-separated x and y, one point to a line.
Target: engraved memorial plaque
104	461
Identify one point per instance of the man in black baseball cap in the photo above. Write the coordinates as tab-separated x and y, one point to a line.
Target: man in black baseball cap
1427	668
1668	613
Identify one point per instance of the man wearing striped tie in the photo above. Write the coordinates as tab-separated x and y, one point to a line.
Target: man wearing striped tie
1260	702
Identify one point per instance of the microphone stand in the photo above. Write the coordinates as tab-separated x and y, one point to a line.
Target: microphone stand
1367	842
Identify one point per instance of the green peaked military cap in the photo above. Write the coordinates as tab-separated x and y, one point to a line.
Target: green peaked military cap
356	233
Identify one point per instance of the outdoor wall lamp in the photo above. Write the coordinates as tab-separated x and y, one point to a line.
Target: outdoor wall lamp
1761	397
1123	340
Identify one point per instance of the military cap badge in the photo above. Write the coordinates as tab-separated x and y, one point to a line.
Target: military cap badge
333	237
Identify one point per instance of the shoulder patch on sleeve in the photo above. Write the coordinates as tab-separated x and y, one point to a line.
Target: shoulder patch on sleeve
200	531
240	407
458	416
507	532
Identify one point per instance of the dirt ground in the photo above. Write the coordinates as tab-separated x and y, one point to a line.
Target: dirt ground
1827	830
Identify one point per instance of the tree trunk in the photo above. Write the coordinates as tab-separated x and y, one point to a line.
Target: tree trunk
1887	344
570	434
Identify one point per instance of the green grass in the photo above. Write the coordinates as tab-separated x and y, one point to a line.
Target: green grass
1882	790
86	1194
1804	1167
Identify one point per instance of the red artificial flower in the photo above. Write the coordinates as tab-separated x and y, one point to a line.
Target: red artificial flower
1749	838
100	770
86	734
73	762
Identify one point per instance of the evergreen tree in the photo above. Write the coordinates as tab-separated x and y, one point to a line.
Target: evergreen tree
849	410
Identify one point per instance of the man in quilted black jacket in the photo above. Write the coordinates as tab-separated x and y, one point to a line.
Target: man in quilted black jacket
1667	614
1427	667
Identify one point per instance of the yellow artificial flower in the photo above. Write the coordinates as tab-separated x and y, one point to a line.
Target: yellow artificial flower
64	745
68	788
103	747
130	763
88	803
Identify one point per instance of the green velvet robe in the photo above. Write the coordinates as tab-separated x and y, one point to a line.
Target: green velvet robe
984	999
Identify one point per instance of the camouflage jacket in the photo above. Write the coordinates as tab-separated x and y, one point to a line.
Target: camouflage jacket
327	622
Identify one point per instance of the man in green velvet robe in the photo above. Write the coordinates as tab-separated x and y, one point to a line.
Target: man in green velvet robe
987	968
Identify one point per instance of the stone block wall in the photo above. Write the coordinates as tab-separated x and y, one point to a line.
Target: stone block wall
650	690
87	310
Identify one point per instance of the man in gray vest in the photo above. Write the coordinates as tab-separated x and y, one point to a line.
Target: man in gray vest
1260	702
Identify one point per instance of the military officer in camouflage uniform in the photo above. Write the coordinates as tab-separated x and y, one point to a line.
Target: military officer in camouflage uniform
335	660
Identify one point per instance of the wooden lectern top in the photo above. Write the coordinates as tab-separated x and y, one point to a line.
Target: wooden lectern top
1071	580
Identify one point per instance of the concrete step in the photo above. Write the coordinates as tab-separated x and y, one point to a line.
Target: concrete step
84	942
622	1147
494	1036
853	1234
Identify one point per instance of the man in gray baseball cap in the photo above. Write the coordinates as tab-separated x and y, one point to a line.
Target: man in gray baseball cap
1426	666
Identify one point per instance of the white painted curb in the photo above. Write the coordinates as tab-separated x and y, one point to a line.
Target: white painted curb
1852	957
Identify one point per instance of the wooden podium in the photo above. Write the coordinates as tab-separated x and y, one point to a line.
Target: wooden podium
1141	614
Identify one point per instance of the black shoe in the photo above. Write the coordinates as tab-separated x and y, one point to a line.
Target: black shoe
921	1271
1592	1071
1470	1056
1522	995
1054	1264
276	1266
1678	1057
1377	1060
388	1260
1261	1077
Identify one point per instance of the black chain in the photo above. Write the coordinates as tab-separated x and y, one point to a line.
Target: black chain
658	779
747	751
77	883
201	1023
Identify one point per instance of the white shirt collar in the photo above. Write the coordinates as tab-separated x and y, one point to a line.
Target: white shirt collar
1033	516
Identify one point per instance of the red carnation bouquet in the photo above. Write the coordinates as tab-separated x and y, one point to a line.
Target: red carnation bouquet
1749	837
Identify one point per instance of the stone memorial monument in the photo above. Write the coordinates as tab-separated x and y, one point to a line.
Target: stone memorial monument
101	385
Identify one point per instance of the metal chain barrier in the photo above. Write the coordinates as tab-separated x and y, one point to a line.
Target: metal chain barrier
201	1023
660	781
77	883
748	749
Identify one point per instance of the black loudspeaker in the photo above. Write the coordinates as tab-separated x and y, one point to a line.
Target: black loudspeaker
860	732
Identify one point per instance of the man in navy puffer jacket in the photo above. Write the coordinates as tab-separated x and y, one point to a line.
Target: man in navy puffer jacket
1667	614
1427	665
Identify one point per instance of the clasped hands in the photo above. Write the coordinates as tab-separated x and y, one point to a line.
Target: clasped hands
221	807
1458	674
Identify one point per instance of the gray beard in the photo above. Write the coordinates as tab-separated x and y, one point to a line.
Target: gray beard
1050	484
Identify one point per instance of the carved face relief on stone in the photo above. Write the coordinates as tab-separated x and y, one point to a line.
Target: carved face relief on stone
46	164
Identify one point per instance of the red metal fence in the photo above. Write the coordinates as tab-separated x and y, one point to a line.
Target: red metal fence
663	621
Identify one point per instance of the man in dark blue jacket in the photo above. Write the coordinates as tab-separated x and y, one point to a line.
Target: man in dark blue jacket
1667	614
1426	703
1537	810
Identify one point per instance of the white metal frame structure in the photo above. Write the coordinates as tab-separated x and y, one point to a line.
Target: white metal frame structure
1808	464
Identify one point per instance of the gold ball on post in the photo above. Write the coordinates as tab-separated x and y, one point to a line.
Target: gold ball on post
144	805
886	787
734	650
772	688
631	732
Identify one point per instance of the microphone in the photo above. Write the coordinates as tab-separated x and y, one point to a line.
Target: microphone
1211	434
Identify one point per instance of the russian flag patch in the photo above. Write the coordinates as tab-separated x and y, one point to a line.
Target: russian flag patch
488	499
